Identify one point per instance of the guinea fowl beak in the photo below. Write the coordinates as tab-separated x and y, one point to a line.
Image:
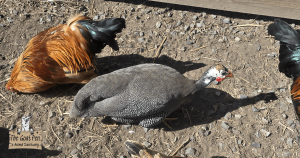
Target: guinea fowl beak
229	74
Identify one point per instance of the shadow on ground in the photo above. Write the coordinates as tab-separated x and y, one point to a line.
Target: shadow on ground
206	10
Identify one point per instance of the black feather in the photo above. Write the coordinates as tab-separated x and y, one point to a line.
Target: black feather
104	32
289	53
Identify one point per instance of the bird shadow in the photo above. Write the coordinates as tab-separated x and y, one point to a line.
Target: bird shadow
113	63
173	6
207	107
6	153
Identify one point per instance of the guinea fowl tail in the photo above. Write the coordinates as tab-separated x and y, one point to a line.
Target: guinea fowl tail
104	31
289	53
284	32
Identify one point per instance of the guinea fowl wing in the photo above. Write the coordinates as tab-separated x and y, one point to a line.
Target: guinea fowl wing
146	89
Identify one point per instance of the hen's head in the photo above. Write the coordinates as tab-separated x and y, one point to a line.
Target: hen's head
11	89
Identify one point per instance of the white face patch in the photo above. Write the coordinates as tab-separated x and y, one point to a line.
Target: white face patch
215	73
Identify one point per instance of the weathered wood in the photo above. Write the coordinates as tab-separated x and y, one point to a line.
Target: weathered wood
277	8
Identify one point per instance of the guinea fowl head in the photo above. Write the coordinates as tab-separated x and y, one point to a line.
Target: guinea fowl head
216	73
221	72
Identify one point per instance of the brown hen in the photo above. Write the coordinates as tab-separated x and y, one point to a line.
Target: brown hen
63	54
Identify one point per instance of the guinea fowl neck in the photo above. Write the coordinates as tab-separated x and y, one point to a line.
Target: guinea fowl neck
205	79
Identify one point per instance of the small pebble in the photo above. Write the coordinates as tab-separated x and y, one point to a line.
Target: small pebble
195	17
96	17
272	55
293	126
59	148
237	116
207	133
9	19
235	131
293	25
240	141
77	155
284	116
225	125
126	126
286	154
190	151
283	106
48	17
242	96
15	12
170	15
254	109
131	132
258	48
233	149
69	134
147	144
158	24
256	145
213	50
80	146
74	151
141	40
237	39
289	141
226	21
142	33
11	127
51	114
264	120
146	11
123	156
183	48
186	28
213	16
241	33
146	129
289	122
228	116
221	146
201	24
257	134
266	133
289	100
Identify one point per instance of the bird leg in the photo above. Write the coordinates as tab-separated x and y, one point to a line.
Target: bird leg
169	119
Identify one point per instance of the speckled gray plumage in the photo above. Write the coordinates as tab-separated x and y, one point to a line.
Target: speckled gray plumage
143	94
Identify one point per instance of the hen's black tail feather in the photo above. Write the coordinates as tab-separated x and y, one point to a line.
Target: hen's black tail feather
284	32
289	53
104	32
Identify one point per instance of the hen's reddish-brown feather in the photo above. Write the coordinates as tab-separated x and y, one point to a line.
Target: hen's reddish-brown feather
57	55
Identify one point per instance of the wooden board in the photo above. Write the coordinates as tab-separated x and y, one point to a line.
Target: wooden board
277	8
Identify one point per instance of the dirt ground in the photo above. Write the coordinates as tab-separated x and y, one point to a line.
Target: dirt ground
231	119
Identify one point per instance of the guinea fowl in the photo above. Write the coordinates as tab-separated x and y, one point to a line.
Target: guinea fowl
63	54
137	150
144	94
289	56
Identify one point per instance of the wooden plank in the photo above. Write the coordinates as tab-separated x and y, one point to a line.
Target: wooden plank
277	8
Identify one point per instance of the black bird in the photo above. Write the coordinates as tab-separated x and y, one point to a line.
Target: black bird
289	56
